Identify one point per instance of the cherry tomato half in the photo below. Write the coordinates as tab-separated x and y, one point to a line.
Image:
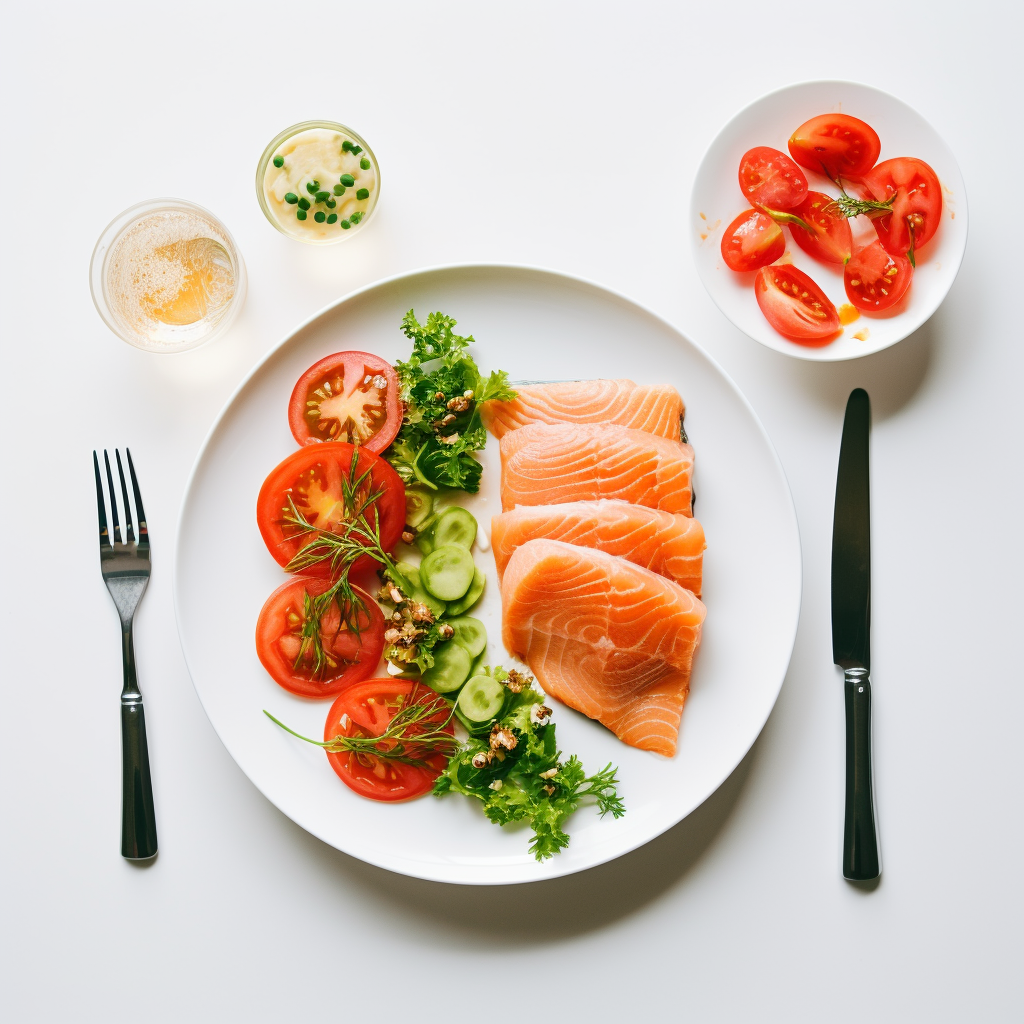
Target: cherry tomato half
770	180
917	208
365	710
751	241
794	305
876	279
348	396
351	639
316	478
830	238
837	144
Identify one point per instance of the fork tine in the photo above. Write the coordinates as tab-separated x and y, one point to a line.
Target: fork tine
143	530
128	530
104	536
113	499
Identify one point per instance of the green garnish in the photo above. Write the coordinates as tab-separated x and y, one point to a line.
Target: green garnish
346	146
330	204
347	179
331	218
365	164
346	225
339	190
300	214
291	197
356	150
357	216
321	196
303	203
363	193
319	216
453	386
312	186
279	161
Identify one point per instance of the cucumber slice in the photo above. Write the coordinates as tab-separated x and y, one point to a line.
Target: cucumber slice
447	572
450	669
481	699
476	588
418	506
412	574
425	538
456	526
469	633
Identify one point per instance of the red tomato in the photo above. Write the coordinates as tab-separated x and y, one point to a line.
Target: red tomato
313	478
285	646
840	145
830	238
770	180
365	710
875	279
794	305
917	208
752	240
349	396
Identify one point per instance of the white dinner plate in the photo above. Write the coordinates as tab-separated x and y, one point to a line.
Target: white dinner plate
717	200
536	324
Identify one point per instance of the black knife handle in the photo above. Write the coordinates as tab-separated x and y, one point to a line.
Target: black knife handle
138	818
860	846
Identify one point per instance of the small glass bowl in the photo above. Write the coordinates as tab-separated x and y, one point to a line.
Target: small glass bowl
341	234
157	221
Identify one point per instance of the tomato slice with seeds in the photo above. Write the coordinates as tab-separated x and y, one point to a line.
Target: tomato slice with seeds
366	709
794	305
318	659
330	484
751	241
770	180
830	238
348	396
917	209
875	279
839	145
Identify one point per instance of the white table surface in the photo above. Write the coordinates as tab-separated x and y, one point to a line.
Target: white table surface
562	135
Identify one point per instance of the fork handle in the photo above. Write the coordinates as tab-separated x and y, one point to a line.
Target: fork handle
138	819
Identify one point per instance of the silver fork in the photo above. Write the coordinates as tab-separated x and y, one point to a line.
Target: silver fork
125	566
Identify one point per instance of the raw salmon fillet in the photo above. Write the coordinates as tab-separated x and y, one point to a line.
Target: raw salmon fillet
549	463
656	408
604	636
668	544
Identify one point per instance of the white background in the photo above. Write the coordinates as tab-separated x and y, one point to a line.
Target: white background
564	135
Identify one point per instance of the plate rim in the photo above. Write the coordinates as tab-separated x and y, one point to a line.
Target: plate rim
799	351
553	868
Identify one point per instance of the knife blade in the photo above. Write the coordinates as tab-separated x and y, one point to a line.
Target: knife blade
851	629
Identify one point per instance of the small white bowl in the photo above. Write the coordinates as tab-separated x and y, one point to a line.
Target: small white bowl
770	121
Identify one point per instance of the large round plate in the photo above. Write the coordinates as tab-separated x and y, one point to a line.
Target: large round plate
536	324
770	121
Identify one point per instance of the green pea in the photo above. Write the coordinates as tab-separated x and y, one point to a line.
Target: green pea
301	214
363	193
279	161
303	203
339	190
291	197
332	218
319	216
331	204
345	224
365	164
347	179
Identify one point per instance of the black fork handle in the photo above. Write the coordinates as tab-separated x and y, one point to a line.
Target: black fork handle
138	817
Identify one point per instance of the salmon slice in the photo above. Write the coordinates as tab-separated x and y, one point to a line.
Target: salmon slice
668	544
656	408
549	463
604	636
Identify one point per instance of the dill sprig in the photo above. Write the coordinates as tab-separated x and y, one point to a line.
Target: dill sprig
849	206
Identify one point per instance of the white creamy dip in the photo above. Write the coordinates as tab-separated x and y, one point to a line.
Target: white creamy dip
325	187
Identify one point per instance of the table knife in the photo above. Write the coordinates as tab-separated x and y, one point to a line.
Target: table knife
851	628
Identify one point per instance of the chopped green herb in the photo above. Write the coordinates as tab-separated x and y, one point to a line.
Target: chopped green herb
356	150
300	214
363	193
312	186
330	204
319	216
332	218
346	225
356	217
347	179
321	196
291	197
346	146
303	203
339	190
365	164
279	161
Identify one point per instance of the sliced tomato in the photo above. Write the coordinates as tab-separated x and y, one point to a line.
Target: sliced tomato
770	180
350	638
794	305
830	238
839	145
751	241
366	709
876	279
348	396
917	208
316	478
